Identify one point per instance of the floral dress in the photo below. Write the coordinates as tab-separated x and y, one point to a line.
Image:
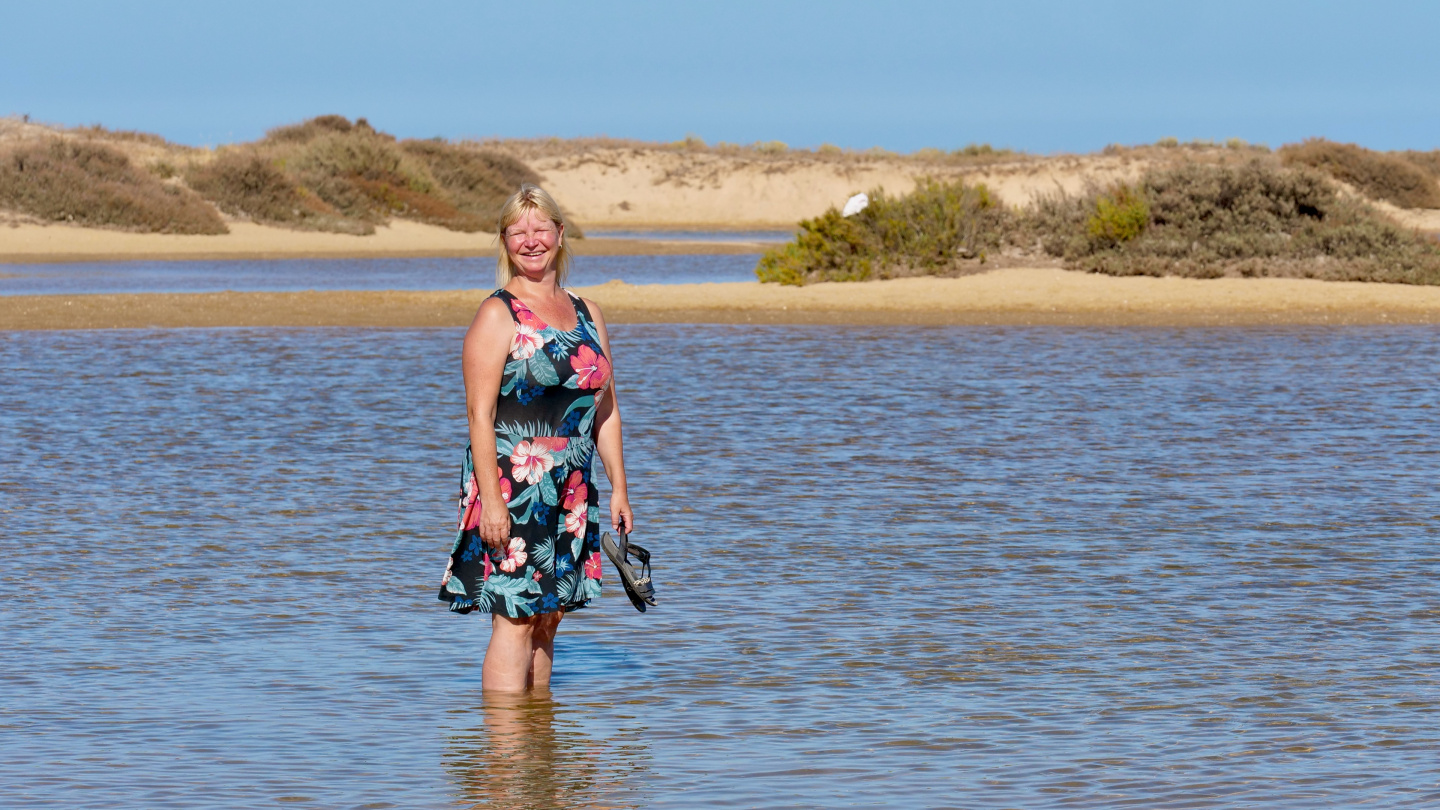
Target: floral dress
544	443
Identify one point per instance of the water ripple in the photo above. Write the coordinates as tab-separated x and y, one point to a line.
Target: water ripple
903	567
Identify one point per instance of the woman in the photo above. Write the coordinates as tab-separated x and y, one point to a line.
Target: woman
541	402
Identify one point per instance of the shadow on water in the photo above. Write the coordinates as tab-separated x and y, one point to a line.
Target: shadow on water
532	750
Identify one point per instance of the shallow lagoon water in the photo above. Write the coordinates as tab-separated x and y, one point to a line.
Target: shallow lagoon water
289	275
908	567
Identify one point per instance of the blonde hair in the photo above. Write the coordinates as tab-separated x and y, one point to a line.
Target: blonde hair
530	198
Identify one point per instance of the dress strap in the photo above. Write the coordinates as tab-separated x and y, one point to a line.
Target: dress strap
580	308
510	300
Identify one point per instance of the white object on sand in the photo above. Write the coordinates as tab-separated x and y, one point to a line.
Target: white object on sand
855	205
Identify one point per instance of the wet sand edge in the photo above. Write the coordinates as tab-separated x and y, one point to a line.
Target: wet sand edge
1007	297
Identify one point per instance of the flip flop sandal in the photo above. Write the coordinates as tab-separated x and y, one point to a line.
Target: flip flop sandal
637	584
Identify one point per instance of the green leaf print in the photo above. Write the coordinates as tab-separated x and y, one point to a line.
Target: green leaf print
544	556
514	588
514	371
547	491
543	370
576	546
522	501
454	585
589	589
587	419
580	402
567	586
577	453
573	382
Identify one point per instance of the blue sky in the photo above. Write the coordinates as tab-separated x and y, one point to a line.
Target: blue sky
1041	76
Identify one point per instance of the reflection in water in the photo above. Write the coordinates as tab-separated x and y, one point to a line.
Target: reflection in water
525	750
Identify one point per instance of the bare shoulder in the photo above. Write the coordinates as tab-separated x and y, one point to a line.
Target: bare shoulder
493	313
595	313
492	323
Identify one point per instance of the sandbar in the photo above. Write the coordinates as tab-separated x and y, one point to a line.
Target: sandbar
1015	296
31	243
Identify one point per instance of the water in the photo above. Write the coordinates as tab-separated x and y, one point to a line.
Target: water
909	567
350	274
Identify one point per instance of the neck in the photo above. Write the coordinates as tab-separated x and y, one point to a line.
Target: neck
546	284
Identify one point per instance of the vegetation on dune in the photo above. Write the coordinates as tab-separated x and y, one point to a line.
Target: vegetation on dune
1195	220
330	174
1405	179
925	232
94	185
1250	220
249	184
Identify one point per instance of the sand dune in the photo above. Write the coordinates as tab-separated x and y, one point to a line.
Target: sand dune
1018	296
666	188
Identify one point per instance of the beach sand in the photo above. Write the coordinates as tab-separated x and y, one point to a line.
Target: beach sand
28	242
1017	296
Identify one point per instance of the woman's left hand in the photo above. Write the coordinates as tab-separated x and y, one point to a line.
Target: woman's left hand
620	513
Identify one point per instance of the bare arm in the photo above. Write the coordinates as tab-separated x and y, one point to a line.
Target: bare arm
608	439
487	346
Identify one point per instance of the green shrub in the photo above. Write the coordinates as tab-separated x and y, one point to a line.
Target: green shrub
94	185
935	229
1379	175
1120	215
1196	220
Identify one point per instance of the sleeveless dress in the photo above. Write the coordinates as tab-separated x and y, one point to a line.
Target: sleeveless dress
545	443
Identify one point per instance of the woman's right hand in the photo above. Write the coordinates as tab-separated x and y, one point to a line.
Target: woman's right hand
495	525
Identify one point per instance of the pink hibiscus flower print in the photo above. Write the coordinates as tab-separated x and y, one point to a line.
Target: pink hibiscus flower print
575	519
470	504
552	443
526	342
530	461
592	565
575	490
525	316
515	556
591	368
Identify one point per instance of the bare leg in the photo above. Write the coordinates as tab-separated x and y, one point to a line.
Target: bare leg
520	652
542	643
507	659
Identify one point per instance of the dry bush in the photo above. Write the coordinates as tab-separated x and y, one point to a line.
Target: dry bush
476	181
313	128
330	174
1208	221
1429	162
97	132
1379	175
93	185
245	183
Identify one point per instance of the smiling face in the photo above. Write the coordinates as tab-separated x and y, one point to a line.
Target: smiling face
533	243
